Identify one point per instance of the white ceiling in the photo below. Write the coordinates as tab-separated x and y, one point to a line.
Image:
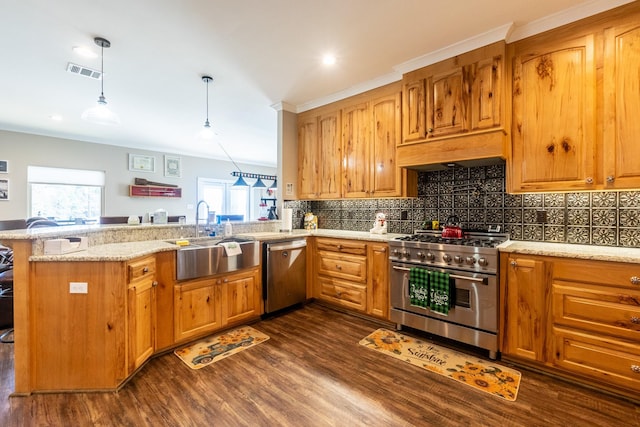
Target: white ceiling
259	52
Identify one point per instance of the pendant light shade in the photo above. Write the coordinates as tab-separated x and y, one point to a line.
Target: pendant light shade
100	113
274	186
240	182
259	184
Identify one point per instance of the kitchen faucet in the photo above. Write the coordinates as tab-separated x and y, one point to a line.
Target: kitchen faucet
198	217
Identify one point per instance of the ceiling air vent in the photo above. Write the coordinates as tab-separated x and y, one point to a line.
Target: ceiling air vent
83	71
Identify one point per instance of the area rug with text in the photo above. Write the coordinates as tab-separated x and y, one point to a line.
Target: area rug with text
216	347
480	374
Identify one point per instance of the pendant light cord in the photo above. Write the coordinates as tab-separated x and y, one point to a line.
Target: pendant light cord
102	69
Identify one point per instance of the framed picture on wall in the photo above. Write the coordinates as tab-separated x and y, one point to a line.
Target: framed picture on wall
4	189
172	166
138	162
4	166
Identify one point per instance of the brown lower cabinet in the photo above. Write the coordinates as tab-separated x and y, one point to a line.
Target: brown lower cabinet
205	305
130	311
353	274
578	318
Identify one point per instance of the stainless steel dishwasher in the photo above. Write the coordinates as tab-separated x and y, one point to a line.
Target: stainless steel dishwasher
284	273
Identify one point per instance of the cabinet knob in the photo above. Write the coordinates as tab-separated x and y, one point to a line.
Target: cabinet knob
635	280
145	270
635	320
514	263
430	130
338	267
635	368
610	179
589	180
155	283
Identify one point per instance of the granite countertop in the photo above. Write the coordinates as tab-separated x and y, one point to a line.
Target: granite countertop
111	252
130	250
570	250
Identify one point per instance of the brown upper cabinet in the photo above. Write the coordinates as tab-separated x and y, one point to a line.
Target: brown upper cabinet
446	103
575	106
348	148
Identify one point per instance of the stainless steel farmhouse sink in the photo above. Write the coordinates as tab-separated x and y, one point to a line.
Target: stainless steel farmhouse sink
206	257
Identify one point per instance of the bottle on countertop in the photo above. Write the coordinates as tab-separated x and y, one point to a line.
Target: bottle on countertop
228	230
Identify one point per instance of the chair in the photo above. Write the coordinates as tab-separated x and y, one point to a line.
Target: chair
6	294
42	223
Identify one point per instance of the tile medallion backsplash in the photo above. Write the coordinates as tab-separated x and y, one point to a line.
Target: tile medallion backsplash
478	198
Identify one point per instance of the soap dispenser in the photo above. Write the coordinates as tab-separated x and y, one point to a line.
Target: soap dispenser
228	231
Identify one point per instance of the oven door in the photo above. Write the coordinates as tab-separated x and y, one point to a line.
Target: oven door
475	295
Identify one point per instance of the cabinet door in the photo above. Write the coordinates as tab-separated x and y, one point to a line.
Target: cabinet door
386	176
621	107
330	158
526	308
414	110
447	102
356	142
197	309
485	78
141	313
308	157
241	297
554	116
378	293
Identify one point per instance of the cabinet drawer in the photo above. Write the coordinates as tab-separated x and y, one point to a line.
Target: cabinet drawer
613	361
145	267
598	309
342	246
342	266
350	295
617	274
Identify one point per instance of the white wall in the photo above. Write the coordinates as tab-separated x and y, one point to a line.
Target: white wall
22	150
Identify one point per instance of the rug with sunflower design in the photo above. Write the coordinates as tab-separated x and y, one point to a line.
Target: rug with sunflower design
480	374
216	347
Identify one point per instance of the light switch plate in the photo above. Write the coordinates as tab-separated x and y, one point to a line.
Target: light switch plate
78	287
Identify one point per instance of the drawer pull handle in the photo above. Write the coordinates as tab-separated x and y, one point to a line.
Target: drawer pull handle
155	283
338	267
635	280
635	320
635	368
145	270
514	264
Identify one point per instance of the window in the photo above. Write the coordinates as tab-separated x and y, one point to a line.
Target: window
68	196
223	198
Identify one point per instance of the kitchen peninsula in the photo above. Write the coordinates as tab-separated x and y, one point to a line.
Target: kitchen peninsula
88	320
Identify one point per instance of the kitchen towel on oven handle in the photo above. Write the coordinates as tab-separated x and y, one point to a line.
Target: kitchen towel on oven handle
440	292
419	287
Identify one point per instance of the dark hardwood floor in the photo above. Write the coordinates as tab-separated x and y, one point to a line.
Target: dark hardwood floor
311	372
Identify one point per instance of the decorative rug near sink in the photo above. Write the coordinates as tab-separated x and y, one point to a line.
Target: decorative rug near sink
216	347
480	374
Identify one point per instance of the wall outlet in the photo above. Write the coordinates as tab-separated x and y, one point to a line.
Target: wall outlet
541	217
78	287
404	215
289	189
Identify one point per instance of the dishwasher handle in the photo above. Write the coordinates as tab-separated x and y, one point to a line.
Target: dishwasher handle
285	246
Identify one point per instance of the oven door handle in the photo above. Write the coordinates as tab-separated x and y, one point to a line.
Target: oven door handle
482	280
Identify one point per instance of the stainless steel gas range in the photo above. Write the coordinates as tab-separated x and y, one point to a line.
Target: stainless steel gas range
471	265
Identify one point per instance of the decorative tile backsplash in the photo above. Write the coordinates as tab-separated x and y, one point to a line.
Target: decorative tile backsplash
478	198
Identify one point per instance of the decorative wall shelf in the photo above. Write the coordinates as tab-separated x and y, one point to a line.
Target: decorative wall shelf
154	191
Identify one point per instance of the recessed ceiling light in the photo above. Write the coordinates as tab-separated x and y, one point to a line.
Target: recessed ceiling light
329	59
56	117
85	52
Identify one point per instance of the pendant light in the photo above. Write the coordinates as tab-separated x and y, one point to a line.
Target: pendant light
259	183
207	133
274	186
100	113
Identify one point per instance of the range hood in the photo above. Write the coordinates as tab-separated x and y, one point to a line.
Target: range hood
476	149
